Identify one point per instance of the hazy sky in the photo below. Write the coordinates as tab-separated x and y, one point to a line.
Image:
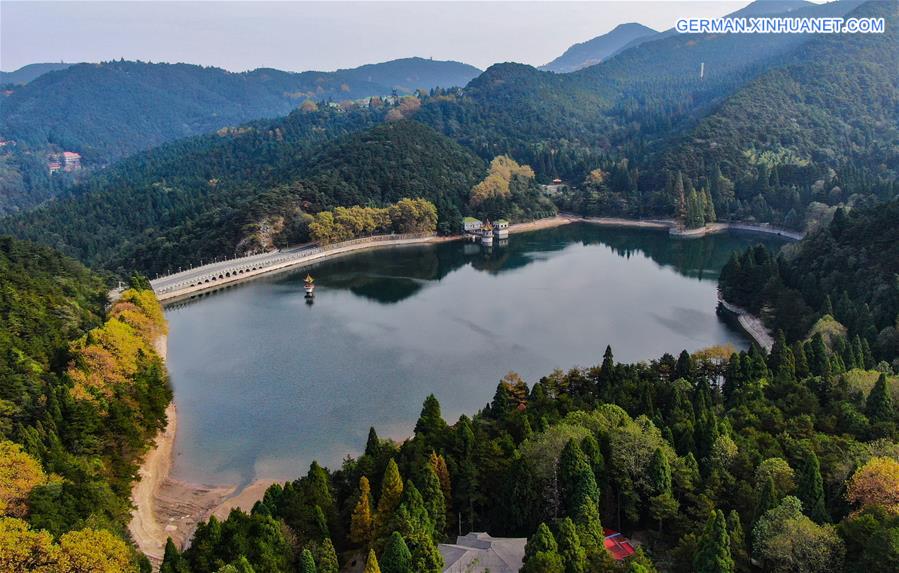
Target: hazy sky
323	35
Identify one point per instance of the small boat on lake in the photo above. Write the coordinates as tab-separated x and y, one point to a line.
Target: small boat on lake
309	285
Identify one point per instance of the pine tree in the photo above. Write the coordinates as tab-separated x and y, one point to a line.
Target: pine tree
810	489
879	405
326	557
373	445
573	555
767	498
781	360
439	464
396	557
307	562
391	494
371	564
663	505
321	530
172	560
737	541
713	555
541	553
430	425
589	527
684	367
433	497
361	522
595	459
802	368
577	479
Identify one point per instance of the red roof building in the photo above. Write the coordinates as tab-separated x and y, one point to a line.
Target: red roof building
618	545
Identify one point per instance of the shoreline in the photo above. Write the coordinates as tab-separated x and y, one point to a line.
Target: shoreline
166	507
750	323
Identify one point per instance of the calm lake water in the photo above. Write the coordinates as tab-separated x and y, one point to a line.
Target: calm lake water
265	383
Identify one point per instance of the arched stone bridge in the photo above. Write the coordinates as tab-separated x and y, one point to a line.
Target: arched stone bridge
220	273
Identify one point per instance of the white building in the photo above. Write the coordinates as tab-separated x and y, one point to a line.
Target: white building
501	229
478	553
470	224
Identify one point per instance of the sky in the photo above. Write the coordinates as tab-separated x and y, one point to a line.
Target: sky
324	35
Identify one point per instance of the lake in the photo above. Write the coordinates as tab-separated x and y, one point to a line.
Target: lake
265	383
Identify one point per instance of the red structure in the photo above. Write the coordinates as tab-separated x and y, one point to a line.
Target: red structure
618	545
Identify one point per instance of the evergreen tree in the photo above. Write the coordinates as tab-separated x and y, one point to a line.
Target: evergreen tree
326	557
595	458
371	564
589	527
573	555
541	553
819	363
433	498
663	505
576	477
361	521
396	557
438	463
737	541
802	367
713	554
767	498
307	562
879	405
781	361
391	494
172	560
373	444
320	530
684	367
810	489
430	425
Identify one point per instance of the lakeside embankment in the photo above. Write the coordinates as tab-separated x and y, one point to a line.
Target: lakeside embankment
750	323
165	507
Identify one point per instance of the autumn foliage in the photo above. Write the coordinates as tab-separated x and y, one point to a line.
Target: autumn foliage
876	484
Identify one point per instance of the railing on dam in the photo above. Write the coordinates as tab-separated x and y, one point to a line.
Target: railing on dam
227	271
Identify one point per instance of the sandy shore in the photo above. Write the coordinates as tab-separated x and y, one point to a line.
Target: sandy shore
166	507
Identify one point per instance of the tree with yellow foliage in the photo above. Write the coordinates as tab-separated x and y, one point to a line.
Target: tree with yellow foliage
93	551
24	550
361	521
391	494
876	484
371	565
19	474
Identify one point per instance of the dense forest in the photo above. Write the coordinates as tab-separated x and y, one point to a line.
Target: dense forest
716	461
110	110
82	391
209	197
842	281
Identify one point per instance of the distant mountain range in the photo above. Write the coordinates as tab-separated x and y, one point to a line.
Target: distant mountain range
600	48
28	73
627	36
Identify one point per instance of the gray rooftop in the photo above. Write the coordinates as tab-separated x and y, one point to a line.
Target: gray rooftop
478	552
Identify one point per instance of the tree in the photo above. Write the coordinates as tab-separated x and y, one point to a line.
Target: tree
576	477
541	553
879	405
371	564
396	557
438	463
663	505
573	555
307	562
876	484
172	560
326	557
391	494
361	522
22	549
785	540
430	426
433	499
766	498
714	554
19	474
811	488
97	551
737	541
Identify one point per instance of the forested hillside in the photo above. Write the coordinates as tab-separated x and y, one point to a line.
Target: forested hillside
28	73
110	110
821	128
197	198
81	393
709	458
844	277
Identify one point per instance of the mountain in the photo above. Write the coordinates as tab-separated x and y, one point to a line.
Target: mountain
28	73
846	269
110	110
599	48
821	127
200	198
769	8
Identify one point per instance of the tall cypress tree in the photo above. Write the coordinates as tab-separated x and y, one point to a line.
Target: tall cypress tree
361	521
767	498
802	368
541	553
737	541
307	562
396	557
433	498
879	405
371	564
713	555
577	479
172	560
391	495
810	489
326	557
573	555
